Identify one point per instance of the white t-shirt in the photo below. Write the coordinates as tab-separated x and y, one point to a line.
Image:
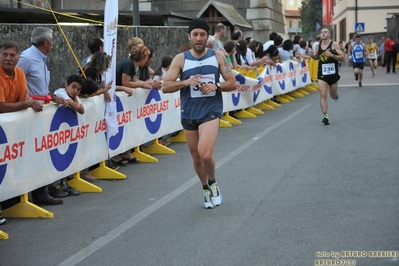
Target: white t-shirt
250	56
314	46
267	44
63	94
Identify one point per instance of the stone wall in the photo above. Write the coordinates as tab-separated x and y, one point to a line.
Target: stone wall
61	62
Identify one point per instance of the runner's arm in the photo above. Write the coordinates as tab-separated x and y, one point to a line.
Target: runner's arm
230	82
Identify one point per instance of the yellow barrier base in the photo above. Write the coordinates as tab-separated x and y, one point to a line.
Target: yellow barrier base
281	99
156	148
230	119
271	103
264	106
309	88
26	209
181	137
296	94
314	85
3	235
245	114
223	123
289	98
83	185
255	111
106	173
143	157
302	91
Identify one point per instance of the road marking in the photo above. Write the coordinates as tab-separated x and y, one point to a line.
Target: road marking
104	240
369	85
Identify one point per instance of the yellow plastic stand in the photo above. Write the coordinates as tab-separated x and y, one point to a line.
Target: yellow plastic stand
143	157
255	111
309	88
104	172
83	185
281	99
181	137
3	235
264	106
271	103
302	91
230	119
156	148
223	123
245	114
26	209
296	94
287	97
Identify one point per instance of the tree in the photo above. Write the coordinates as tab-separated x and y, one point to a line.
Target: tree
311	13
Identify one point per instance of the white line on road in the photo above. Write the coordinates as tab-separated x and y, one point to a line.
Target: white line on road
104	240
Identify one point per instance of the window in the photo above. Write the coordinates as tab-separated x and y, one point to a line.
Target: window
291	2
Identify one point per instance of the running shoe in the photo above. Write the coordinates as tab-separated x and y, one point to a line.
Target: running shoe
325	120
356	77
216	197
207	199
336	99
360	84
2	220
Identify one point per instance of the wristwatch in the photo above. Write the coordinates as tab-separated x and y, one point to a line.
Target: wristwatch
218	86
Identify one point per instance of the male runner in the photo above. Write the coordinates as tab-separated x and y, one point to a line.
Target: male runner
328	53
359	54
201	102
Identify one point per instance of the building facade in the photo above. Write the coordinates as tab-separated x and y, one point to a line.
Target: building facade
374	15
292	14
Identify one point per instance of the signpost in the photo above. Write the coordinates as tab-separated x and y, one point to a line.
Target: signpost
359	27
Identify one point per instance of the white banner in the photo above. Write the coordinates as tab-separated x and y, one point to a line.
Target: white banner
37	149
110	38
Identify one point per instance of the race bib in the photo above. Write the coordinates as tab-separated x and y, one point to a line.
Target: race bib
195	90
358	55
371	56
328	69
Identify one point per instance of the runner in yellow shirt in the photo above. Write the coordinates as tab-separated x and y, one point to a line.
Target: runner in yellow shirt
373	52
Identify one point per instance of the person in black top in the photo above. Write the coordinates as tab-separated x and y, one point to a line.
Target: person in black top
328	53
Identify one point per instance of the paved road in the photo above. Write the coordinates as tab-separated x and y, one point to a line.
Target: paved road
292	187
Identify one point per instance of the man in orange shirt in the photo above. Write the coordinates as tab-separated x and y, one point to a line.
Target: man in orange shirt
13	88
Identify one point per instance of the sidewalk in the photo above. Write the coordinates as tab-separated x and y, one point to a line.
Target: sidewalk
381	76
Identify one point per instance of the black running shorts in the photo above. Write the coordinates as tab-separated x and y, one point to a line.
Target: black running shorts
189	124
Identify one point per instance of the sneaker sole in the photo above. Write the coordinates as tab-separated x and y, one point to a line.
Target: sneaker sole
208	205
217	201
325	121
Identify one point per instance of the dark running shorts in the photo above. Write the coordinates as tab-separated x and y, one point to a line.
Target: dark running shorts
330	80
358	65
189	124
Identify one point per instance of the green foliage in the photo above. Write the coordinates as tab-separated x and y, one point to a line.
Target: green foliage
311	12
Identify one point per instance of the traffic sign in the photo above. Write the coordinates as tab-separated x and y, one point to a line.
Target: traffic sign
359	26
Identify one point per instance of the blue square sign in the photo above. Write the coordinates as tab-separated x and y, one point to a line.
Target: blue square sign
359	27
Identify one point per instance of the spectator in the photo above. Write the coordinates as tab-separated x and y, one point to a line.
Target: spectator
249	40
161	71
252	50
316	43
383	55
237	37
272	36
230	48
33	63
309	51
286	51
99	63
297	40
70	94
127	77
94	45
145	72
391	54
210	43
242	52
220	30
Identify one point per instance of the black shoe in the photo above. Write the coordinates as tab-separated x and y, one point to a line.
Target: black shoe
360	84
325	120
57	193
50	201
393	71
71	191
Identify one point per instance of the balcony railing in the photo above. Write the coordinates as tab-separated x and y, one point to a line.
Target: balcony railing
294	29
